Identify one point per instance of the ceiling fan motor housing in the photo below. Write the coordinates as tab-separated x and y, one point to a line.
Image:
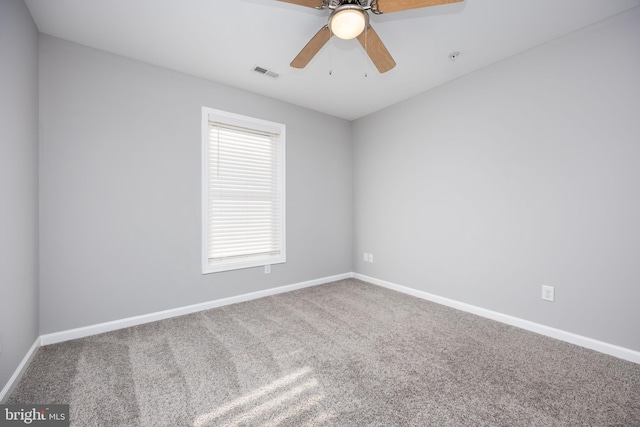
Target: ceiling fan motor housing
333	4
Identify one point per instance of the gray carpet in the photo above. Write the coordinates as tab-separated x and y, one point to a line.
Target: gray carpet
342	354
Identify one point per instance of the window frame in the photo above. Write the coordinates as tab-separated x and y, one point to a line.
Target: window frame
250	123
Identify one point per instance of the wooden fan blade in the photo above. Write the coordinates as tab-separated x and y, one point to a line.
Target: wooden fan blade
388	6
309	3
376	50
312	48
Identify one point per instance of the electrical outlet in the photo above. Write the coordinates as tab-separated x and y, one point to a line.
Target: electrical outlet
366	257
548	293
370	257
267	269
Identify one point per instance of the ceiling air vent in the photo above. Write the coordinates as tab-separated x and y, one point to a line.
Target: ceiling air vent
265	71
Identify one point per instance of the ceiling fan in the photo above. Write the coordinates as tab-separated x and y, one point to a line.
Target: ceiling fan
349	19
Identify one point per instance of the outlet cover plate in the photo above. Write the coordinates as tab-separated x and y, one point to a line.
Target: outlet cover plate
548	293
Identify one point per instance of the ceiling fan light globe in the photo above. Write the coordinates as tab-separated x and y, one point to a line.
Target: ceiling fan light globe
348	23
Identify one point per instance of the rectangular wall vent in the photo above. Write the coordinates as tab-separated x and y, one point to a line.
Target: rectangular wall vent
265	71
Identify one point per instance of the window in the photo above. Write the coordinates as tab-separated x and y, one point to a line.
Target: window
243	192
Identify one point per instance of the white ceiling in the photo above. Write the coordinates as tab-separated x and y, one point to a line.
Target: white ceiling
222	40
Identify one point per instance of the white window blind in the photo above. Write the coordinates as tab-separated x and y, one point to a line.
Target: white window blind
243	189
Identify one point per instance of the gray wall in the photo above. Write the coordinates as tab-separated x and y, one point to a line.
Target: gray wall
120	189
18	185
525	173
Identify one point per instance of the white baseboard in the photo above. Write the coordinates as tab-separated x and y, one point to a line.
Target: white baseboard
602	347
100	328
22	367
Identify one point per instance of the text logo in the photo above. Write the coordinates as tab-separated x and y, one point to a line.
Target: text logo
34	415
